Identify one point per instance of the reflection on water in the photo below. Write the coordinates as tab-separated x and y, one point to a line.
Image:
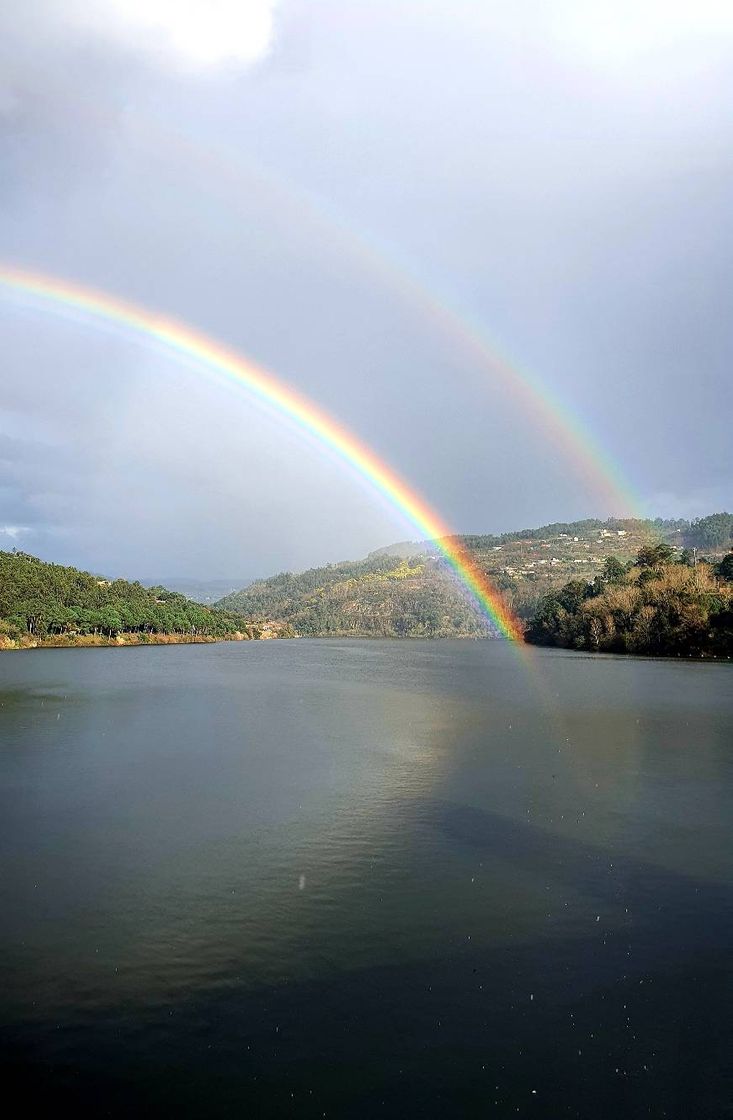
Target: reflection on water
365	877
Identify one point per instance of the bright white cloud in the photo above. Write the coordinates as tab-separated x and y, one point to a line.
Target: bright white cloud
620	31
191	33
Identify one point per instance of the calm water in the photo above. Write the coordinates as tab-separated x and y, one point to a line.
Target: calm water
365	879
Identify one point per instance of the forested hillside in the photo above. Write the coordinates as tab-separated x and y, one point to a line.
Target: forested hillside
393	594
659	603
382	596
390	594
44	603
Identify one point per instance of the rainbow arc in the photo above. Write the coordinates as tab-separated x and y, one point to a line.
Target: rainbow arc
186	343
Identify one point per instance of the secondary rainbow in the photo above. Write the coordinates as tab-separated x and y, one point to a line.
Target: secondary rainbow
184	342
555	418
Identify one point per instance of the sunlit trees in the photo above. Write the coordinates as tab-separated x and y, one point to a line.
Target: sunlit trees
659	607
43	600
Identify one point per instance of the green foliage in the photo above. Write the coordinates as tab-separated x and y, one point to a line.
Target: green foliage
584	527
654	555
725	568
383	596
613	570
44	600
714	532
393	593
659	607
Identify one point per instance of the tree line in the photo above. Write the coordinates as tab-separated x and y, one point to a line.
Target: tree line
710	533
42	600
656	604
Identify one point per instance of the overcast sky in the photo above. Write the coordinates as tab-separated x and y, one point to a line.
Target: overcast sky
300	180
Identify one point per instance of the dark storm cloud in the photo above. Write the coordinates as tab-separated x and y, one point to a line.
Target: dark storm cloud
566	189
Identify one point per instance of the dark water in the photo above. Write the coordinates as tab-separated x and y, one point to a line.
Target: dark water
365	879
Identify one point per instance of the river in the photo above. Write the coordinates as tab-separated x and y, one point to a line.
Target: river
330	878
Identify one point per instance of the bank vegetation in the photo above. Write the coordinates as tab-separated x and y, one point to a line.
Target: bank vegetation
658	604
45	604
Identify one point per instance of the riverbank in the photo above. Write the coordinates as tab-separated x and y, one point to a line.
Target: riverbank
93	641
660	605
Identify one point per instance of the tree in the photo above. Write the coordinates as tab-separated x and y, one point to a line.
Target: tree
724	569
654	555
49	599
613	570
712	532
672	610
572	594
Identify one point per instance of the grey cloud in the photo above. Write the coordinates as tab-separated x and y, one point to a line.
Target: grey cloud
575	211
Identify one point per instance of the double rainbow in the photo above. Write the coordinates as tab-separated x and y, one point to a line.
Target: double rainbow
554	417
182	341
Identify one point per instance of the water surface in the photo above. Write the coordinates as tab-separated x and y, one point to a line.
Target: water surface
365	878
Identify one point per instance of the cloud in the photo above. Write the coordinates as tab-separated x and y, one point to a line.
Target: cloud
568	206
190	34
73	73
615	32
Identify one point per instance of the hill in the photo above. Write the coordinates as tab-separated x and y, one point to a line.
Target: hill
658	604
382	596
50	604
390	594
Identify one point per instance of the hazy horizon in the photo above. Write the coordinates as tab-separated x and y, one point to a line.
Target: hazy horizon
177	580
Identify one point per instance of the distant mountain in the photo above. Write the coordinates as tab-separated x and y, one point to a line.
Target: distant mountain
404	591
200	590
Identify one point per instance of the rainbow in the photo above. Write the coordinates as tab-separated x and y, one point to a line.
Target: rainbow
183	342
554	417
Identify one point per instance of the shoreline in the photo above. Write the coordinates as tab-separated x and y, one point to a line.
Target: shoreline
95	641
131	641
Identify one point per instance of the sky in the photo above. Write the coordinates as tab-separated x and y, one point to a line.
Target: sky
310	182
